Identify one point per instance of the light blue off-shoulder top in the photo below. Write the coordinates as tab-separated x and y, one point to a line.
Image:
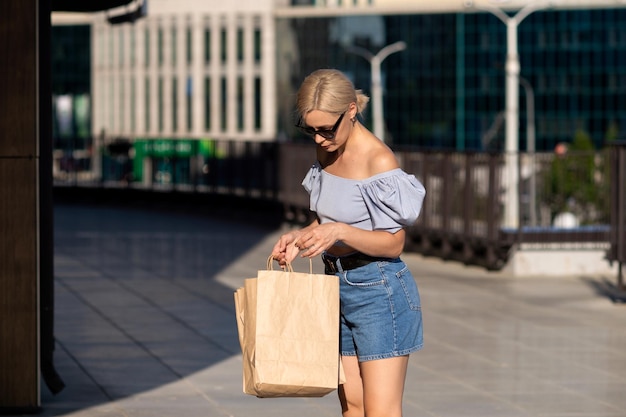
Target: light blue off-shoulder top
387	201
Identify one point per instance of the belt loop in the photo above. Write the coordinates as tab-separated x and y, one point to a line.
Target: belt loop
338	264
329	264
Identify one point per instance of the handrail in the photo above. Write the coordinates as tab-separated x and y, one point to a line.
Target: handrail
617	251
463	210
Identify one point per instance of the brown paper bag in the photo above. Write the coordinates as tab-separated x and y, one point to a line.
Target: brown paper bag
288	325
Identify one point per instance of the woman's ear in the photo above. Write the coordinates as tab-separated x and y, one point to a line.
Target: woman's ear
353	110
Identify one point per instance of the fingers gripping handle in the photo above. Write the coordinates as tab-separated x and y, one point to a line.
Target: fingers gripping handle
289	267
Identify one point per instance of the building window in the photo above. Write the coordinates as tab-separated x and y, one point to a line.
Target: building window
612	85
207	103
147	47
111	50
160	47
132	47
541	40
101	48
485	83
223	45
122	106
485	41
147	104
133	113
257	45
188	103
160	104
223	104
173	43
257	103
121	49
240	104
174	104
188	46
207	46
111	101
240	46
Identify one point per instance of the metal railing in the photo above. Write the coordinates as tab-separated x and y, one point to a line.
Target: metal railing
563	199
462	211
617	251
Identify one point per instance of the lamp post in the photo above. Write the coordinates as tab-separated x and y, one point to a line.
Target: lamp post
377	90
530	146
512	68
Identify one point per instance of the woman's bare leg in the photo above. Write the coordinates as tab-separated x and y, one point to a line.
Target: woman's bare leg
383	386
373	388
351	392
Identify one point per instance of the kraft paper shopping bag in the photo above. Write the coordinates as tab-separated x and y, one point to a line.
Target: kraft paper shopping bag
288	324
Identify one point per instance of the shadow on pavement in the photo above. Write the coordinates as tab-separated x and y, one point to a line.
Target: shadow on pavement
138	303
608	289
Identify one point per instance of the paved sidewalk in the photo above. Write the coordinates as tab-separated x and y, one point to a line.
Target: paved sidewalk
145	327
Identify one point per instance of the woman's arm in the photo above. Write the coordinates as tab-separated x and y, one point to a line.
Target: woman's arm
375	243
317	239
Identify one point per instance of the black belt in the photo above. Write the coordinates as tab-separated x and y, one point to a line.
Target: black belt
348	262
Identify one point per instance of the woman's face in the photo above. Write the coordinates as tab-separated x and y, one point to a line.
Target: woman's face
327	129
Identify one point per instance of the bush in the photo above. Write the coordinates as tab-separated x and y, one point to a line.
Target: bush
576	182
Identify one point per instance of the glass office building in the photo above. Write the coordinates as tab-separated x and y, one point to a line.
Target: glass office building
447	89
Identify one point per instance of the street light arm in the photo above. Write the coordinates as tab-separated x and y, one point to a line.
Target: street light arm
390	49
530	8
519	16
499	13
377	90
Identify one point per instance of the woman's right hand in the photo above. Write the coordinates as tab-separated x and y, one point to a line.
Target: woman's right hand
285	251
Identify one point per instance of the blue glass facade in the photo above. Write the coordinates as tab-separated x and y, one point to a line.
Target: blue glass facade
447	89
70	64
71	86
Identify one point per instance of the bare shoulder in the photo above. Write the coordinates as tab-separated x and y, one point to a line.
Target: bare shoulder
381	159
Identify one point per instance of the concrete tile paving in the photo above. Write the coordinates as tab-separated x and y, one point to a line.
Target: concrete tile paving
145	327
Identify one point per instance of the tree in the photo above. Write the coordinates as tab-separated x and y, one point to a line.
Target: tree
572	185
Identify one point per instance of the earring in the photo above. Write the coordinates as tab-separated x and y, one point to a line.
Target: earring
353	120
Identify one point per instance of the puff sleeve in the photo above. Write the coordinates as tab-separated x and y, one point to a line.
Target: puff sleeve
312	184
393	201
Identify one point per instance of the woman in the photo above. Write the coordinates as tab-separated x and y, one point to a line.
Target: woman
362	201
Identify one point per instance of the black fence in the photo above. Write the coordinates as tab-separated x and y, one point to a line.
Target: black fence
571	200
617	236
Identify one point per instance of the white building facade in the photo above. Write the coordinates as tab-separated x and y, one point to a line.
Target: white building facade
192	69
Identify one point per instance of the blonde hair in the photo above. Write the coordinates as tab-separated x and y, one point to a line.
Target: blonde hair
328	90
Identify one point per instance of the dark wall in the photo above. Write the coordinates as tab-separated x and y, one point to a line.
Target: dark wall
19	160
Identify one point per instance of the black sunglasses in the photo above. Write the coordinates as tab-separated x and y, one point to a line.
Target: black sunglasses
325	133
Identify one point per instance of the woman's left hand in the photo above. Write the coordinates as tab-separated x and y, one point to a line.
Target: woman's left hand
317	240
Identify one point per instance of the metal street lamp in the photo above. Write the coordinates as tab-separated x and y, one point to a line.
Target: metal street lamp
512	68
377	90
530	146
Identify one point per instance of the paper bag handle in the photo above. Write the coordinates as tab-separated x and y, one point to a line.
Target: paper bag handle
270	265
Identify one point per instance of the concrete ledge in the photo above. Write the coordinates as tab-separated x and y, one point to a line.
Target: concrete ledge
555	262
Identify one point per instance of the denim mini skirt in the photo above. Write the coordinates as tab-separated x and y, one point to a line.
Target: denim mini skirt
381	314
